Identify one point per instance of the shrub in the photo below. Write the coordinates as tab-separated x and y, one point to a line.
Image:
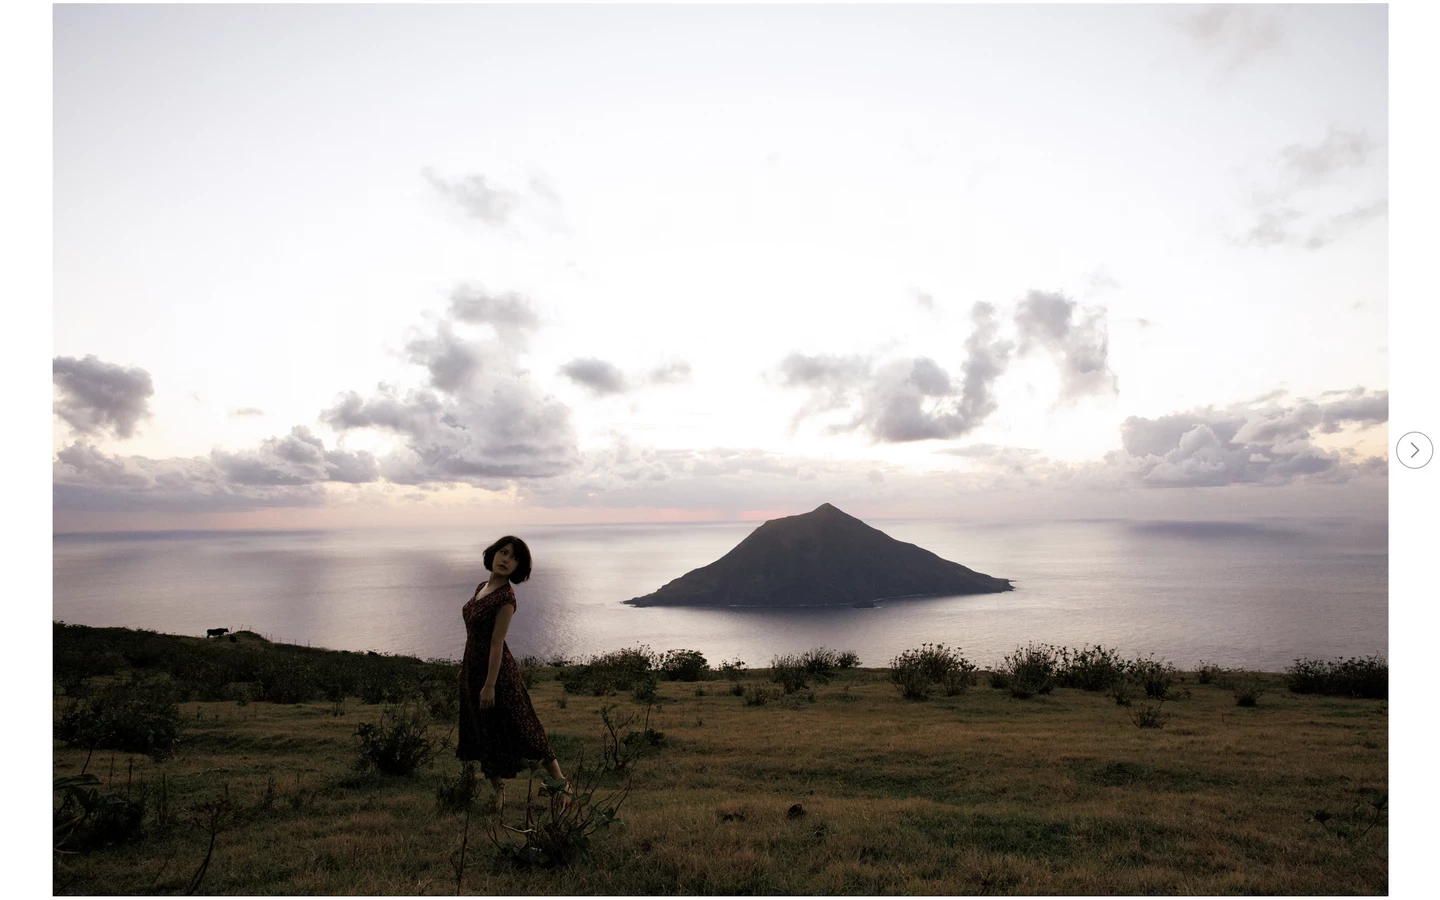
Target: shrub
683	665
132	718
732	669
909	677
820	663
1248	693
558	836
557	661
1154	677
1123	690
737	689
1032	670
916	672
1208	672
646	688
788	672
1090	668
88	817
757	696
847	659
529	673
398	745
1367	678
604	674
1148	716
286	679
998	677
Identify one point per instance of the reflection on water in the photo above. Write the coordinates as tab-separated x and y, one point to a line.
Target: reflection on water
1256	593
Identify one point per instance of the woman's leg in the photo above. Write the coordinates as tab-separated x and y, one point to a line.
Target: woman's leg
498	784
553	767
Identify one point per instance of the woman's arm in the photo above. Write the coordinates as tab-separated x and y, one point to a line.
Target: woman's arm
497	643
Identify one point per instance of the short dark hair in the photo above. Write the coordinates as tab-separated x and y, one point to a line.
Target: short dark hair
518	550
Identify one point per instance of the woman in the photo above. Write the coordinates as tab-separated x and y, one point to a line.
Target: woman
498	725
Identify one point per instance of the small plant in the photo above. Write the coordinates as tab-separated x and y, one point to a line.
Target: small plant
646	688
755	695
459	794
1205	673
398	745
620	753
561	835
737	689
1353	824
1248	693
1123	690
88	817
1147	716
699	690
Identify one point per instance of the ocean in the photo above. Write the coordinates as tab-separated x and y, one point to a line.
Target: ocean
1255	594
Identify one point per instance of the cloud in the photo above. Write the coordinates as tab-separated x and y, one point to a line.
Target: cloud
600	377
1339	150
1237	33
1262	442
1300	168
670	373
908	399
1080	348
246	411
298	458
481	419
923	300
84	479
475	196
98	397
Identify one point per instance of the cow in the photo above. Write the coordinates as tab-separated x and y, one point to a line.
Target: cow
215	632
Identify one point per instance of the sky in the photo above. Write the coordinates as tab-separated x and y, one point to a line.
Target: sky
377	266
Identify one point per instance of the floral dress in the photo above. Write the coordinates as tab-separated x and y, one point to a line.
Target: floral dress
508	732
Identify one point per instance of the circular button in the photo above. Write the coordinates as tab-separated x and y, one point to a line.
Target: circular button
1414	450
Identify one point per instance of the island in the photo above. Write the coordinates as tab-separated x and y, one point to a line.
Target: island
821	558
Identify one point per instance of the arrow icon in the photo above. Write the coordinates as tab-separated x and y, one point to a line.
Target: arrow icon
1417	449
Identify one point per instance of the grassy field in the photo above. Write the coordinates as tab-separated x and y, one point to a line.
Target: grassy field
976	793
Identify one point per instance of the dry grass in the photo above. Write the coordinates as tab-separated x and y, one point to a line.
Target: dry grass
978	793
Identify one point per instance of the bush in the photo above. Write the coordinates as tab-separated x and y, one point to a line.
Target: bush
398	745
788	672
847	659
683	665
87	817
1123	690
132	718
1031	670
1248	693
1367	678
757	696
1090	668
646	688
998	678
820	663
732	669
1153	676
1148	716
606	673
1208	672
557	661
286	679
916	672
737	689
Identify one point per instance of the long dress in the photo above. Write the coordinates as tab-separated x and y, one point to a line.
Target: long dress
508	732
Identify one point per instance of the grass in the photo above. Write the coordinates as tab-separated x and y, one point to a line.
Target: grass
976	793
